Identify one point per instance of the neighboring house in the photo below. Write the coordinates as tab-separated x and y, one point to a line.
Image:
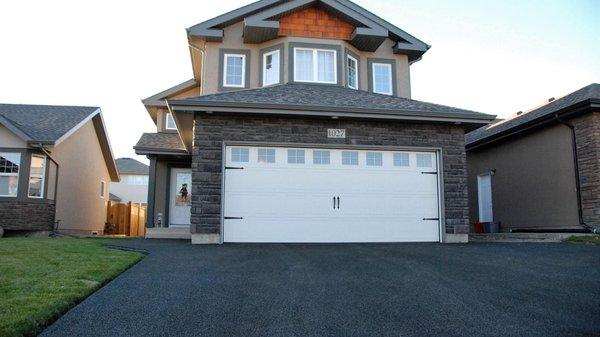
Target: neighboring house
133	186
539	169
55	165
298	127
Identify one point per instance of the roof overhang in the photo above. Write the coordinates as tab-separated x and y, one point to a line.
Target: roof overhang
571	111
158	101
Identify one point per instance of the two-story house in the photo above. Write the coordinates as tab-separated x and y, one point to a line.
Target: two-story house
298	126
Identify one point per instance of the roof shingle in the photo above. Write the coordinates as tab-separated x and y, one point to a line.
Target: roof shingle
160	142
131	166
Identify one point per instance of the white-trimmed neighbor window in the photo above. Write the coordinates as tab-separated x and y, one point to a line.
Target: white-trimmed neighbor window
382	78
352	72
315	65
234	71
37	173
102	188
136	179
10	163
170	122
321	157
271	68
266	155
240	154
349	158
402	159
374	159
295	156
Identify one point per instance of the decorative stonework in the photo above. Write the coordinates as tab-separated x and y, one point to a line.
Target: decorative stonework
24	215
587	132
316	23
211	130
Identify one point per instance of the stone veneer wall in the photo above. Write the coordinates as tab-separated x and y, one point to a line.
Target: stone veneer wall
27	215
587	132
211	130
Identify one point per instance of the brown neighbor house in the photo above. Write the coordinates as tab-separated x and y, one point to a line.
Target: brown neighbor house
55	167
540	169
298	126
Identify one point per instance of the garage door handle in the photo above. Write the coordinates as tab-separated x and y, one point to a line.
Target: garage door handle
338	199
333	202
433	219
233	168
232	218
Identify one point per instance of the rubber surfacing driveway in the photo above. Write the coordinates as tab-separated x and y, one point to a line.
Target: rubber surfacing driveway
305	290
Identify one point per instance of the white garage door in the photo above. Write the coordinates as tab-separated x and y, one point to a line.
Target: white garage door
277	194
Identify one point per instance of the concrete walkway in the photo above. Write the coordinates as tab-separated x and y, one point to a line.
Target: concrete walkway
492	289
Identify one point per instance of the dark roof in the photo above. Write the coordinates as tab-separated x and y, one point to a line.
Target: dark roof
162	142
587	93
158	99
44	123
326	98
132	166
114	197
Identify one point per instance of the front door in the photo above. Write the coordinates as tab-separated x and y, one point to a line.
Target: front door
484	191
180	200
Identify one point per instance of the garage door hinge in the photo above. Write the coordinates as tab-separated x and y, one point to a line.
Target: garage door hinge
232	218
429	172
436	219
233	168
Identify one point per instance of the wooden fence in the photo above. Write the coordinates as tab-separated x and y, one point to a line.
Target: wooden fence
125	219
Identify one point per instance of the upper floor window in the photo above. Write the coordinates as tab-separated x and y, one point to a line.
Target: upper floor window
170	122
235	69
315	65
37	175
9	173
352	72
271	68
382	78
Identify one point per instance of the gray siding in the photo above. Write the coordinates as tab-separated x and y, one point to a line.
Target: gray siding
212	130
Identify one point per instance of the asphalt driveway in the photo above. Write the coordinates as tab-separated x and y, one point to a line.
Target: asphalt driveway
347	290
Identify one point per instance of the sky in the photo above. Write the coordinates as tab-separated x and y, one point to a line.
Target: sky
496	57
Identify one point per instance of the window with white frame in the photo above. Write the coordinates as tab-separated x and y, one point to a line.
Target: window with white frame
136	180
240	154
271	68
321	157
234	71
424	160
315	65
374	159
102	189
295	156
352	72
10	163
382	78
170	122
266	155
349	158
402	159
37	173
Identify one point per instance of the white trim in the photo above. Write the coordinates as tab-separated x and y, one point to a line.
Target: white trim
18	175
316	66
225	84
389	66
167	121
102	189
42	176
264	69
348	56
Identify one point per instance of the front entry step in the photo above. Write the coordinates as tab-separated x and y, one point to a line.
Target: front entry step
521	237
168	233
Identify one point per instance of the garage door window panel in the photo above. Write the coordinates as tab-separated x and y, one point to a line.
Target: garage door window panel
240	155
266	155
402	159
374	159
350	158
424	160
321	157
295	156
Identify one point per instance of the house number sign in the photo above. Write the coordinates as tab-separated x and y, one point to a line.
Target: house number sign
336	133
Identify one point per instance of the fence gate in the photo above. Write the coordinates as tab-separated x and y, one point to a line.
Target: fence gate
125	219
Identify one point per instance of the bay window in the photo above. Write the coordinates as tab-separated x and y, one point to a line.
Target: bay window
234	71
315	65
37	173
382	78
271	68
351	72
9	173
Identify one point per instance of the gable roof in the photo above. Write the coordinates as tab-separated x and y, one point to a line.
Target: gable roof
131	166
159	99
333	101
160	143
51	124
260	24
586	97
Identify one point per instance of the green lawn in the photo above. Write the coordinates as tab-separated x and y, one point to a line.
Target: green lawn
41	278
593	239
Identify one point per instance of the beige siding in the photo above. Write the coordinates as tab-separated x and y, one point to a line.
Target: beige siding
534	184
79	206
9	139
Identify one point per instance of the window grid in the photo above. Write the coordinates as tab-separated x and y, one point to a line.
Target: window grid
315	65
352	72
234	70
402	159
382	78
266	155
37	174
321	157
9	173
349	158
240	155
374	159
170	122
424	160
295	156
271	68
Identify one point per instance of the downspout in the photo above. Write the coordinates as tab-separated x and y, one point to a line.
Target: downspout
595	230
47	153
